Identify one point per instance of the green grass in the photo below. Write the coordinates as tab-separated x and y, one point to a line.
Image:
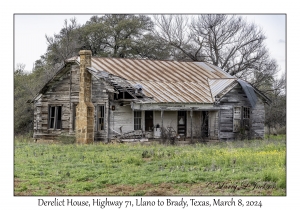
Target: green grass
136	169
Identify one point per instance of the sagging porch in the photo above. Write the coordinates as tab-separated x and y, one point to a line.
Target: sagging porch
180	122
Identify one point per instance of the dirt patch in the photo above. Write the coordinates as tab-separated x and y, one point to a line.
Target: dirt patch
164	189
119	189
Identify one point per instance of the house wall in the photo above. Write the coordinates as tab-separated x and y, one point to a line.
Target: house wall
213	125
122	116
100	96
59	95
65	92
237	97
197	124
258	120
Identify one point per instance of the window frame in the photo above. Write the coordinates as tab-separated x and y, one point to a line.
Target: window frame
101	117
55	117
137	120
246	112
246	117
241	118
74	115
149	120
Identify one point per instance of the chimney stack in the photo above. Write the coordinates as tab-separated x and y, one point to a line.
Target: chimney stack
85	107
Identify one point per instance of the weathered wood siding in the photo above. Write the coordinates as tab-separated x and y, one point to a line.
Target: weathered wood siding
213	128
65	92
100	96
123	117
58	94
258	120
196	123
237	97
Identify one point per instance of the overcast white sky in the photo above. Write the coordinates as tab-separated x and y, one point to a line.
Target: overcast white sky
30	31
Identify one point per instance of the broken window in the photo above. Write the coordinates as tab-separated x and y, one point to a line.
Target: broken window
54	117
74	116
137	120
246	117
181	123
246	112
241	116
100	117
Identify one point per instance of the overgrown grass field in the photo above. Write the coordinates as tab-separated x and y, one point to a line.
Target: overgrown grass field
255	167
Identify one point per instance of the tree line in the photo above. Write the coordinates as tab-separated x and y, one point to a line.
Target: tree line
227	41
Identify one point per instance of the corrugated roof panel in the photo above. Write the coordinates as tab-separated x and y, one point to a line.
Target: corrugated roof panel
174	91
155	72
219	85
248	89
196	72
165	81
219	71
182	72
206	70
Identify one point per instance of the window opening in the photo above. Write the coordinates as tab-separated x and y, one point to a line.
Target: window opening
74	116
181	123
137	120
148	120
101	117
246	117
246	112
241	116
55	117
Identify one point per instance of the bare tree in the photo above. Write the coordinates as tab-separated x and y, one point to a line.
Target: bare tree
276	112
175	31
226	41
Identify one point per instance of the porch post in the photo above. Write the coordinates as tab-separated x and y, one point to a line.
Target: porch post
162	118
191	114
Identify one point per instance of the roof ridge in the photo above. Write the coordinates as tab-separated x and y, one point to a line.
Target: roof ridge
147	59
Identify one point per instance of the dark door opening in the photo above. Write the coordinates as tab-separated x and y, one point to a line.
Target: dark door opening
204	124
148	120
181	123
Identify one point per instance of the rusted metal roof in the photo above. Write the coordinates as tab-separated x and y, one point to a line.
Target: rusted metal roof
167	81
220	87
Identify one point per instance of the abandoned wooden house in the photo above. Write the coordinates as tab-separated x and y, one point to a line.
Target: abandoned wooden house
98	99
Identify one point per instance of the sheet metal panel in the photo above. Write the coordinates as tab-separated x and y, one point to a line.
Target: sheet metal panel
165	81
248	89
220	85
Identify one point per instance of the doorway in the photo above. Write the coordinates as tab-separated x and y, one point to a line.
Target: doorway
204	123
181	123
148	120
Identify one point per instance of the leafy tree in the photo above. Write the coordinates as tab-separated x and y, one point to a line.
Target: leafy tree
117	35
64	44
23	113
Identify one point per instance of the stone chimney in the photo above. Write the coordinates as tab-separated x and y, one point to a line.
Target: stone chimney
85	107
